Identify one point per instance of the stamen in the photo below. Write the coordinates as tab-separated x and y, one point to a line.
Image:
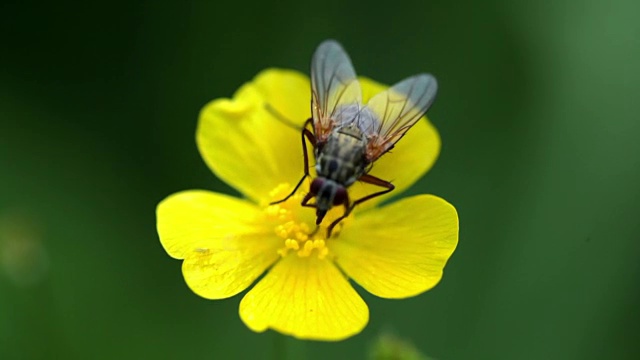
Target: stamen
288	225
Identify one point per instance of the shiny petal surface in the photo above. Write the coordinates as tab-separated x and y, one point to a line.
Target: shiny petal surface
407	162
306	298
245	145
224	241
399	250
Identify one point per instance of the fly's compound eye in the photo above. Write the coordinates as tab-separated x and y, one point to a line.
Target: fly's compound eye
340	197
316	184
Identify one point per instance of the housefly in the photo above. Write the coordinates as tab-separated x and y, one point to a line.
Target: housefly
348	136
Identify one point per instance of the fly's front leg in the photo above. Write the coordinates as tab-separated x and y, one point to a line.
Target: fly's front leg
305	202
306	134
347	211
369	179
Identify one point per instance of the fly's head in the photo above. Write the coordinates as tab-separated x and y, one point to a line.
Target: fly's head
328	194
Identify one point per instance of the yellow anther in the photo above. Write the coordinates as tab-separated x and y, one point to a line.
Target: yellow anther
272	210
279	190
287	226
322	253
291	244
308	245
281	231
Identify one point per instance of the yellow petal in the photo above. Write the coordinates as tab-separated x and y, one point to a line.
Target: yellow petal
306	298
407	162
245	145
399	250
224	242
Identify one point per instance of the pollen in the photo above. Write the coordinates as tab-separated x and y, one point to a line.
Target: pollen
287	216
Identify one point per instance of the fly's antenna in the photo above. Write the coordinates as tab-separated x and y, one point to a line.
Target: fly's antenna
280	117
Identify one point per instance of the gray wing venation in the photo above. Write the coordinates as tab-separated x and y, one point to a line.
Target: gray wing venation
398	108
333	80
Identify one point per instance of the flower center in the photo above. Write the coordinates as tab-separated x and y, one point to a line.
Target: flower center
292	221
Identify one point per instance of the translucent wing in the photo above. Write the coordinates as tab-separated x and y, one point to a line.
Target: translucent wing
393	112
334	87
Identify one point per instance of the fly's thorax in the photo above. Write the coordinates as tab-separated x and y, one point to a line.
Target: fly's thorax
342	158
360	119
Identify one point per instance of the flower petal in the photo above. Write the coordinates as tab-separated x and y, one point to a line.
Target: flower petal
245	145
399	250
407	162
225	242
307	298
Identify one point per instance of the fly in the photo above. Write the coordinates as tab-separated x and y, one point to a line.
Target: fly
348	136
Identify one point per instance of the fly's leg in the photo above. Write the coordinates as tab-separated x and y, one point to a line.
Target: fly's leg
305	202
306	135
369	179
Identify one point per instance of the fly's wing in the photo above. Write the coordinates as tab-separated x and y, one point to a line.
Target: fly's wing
334	88
394	111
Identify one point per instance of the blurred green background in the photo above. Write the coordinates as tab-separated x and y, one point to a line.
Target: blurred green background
538	113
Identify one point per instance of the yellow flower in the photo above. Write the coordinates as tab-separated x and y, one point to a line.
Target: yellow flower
396	251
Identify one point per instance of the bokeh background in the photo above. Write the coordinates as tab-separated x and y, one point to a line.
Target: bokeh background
538	113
